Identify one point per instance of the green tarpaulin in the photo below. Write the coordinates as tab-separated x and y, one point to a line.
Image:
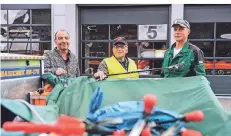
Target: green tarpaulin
49	113
177	94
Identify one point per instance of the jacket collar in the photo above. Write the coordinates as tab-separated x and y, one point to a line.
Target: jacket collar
56	49
184	49
125	60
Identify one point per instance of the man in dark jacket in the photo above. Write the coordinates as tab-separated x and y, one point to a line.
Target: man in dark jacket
182	52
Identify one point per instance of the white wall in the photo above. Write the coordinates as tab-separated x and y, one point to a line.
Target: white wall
64	16
177	12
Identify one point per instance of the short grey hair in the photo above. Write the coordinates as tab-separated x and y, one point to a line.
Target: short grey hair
61	31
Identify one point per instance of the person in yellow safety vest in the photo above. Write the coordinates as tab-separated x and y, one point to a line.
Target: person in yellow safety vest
118	63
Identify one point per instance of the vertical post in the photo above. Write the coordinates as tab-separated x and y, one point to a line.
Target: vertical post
64	16
177	12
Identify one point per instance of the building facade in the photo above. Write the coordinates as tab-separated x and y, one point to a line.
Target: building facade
29	29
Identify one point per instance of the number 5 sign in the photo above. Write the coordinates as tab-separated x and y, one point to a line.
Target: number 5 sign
152	32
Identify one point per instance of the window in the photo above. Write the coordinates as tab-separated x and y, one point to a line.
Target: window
127	31
97	44
214	39
202	31
26	31
207	47
223	29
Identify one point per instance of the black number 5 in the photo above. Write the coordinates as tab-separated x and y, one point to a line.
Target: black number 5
152	34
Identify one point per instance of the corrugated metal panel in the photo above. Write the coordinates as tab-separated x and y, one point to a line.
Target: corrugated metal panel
19	88
116	5
25	6
9	56
207	13
125	15
220	84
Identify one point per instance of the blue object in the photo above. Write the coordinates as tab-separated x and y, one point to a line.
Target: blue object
95	103
129	111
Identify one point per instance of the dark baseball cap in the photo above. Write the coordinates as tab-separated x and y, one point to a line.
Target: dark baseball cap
181	22
119	40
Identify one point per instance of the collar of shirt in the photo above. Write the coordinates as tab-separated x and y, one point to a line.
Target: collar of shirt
68	54
124	63
183	50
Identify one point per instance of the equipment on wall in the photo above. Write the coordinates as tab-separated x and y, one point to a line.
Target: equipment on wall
221	67
94	45
95	54
226	36
89	71
94	62
118	27
92	28
150	53
144	65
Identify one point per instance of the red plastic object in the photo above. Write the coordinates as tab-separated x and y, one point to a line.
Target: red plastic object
69	129
146	132
149	102
64	119
119	133
190	132
65	125
27	127
218	65
143	63
195	116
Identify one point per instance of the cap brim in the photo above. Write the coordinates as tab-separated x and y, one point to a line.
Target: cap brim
179	25
119	42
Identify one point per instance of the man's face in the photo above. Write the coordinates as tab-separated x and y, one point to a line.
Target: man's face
120	50
62	40
180	33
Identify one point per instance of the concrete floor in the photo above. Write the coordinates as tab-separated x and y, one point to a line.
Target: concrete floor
226	102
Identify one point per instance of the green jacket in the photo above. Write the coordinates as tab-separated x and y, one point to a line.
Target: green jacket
191	58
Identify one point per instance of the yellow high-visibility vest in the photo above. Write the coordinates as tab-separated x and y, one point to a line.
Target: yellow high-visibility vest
115	67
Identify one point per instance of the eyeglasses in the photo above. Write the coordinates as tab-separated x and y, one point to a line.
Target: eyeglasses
117	47
95	54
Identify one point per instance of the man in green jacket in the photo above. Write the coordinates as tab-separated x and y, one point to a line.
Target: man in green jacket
189	56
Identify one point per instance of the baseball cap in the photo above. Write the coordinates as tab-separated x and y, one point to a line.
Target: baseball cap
181	22
119	40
